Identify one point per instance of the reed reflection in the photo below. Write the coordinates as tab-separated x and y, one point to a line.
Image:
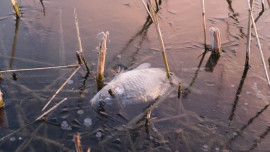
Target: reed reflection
186	91
250	121
141	34
212	62
14	45
257	142
3	117
237	95
43	7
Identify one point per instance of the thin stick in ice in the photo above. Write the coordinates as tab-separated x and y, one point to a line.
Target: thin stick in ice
77	140
152	14
57	92
44	114
79	41
45	68
2	103
16	8
258	42
50	110
249	36
204	22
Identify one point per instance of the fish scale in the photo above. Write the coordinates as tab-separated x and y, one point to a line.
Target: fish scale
142	84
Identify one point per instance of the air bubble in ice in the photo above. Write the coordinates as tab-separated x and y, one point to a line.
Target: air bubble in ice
87	122
65	126
98	134
80	112
205	147
12	139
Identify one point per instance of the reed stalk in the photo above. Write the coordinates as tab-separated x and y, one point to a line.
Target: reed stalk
77	140
249	35
102	50
57	92
16	8
204	22
80	42
268	2
2	104
88	150
179	90
79	58
50	110
262	4
258	42
152	14
215	40
45	68
78	31
3	118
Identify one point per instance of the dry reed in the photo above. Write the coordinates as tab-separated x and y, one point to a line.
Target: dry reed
102	49
258	42
16	8
50	110
77	140
215	40
80	42
57	92
45	68
152	14
262	4
2	104
204	22
249	36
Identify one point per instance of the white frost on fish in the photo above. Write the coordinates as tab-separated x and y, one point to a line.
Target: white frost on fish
143	84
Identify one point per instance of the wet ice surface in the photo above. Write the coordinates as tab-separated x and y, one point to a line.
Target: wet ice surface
216	112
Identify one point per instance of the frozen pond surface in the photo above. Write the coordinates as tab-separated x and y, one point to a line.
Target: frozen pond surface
222	107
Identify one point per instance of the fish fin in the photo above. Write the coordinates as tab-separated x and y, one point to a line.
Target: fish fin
143	66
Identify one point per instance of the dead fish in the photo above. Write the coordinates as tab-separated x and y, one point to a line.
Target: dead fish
142	84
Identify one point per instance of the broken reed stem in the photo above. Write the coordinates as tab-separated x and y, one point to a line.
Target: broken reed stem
249	36
56	93
77	140
153	16
268	2
78	31
79	41
259	44
204	22
102	49
16	8
215	40
2	104
50	110
45	68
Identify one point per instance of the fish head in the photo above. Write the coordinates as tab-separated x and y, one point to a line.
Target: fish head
107	96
